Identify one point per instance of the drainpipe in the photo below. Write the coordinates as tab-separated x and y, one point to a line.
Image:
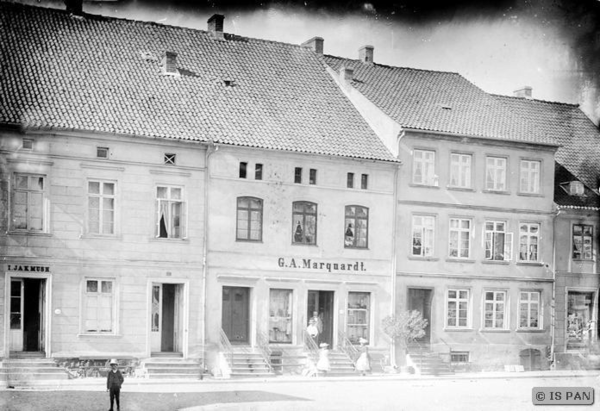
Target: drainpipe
553	310
394	263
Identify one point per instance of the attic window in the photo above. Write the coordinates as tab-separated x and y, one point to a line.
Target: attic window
228	83
27	144
170	159
445	107
574	188
102	152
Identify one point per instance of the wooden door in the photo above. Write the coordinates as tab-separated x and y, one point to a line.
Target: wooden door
235	314
17	294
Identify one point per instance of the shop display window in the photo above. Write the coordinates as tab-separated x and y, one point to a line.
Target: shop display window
280	316
359	308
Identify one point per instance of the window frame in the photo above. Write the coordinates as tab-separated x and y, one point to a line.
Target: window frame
528	302
258	171
304	214
459	167
182	217
423	232
459	230
535	182
312	176
243	170
364	181
289	318
101	197
84	306
29	192
495	168
355	220
507	245
429	177
360	307
457	300
583	238
349	180
528	244
297	175
249	210
505	312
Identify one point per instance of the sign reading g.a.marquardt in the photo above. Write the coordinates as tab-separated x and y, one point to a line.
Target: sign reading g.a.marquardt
310	264
28	268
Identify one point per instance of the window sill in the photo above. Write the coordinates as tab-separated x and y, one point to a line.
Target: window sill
424	186
419	258
29	233
530	194
356	248
239	240
531	330
530	263
165	240
501	192
465	329
495	262
305	244
466	189
583	260
99	335
460	260
101	237
492	330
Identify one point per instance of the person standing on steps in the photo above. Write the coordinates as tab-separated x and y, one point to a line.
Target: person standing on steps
363	364
113	384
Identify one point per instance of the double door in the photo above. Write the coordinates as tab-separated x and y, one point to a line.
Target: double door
27	314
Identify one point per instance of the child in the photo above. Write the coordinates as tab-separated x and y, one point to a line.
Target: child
363	364
113	384
323	364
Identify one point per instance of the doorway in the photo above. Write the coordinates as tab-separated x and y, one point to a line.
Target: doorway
320	303
235	317
27	316
166	318
420	300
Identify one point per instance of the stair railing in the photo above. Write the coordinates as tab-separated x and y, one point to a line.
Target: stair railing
262	340
226	347
346	346
310	345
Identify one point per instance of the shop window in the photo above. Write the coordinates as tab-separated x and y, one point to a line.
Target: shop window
29	203
529	309
423	234
280	316
359	306
304	217
460	238
495	174
583	242
529	239
424	168
249	219
495	310
170	212
101	207
99	306
580	320
498	243
457	313
357	227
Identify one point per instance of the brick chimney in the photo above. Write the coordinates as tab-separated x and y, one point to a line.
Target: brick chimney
524	92
74	7
168	64
365	54
347	74
315	44
215	25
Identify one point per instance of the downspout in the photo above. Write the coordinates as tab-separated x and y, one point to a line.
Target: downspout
553	310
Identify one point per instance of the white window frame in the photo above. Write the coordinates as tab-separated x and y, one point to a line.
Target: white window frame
170	201
247	229
459	230
490	237
497	170
582	257
29	193
457	300
460	170
424	160
530	176
101	208
529	303
495	303
426	230
112	310
529	236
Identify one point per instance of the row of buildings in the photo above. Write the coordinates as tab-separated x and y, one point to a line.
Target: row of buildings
165	190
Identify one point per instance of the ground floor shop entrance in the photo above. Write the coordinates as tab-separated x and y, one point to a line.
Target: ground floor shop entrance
166	318
420	300
27	314
581	320
235	314
320	309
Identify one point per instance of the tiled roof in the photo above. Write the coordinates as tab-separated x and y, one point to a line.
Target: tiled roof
562	176
570	127
436	101
102	74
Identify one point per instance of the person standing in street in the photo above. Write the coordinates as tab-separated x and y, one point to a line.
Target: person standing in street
113	384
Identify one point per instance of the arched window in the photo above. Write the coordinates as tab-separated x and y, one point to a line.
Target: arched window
304	220
356	227
249	219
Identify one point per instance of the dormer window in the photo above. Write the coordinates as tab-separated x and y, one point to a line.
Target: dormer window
574	188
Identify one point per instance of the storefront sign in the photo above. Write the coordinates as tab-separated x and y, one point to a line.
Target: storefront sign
29	268
310	264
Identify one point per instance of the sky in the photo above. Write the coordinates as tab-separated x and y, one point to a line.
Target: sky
552	46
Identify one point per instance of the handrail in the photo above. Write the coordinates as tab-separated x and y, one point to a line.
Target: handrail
263	346
310	344
226	347
346	346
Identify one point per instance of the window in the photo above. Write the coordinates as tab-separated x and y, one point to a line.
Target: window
312	179
459	357
423	229
529	309
29	203
102	152
424	168
583	241
258	171
243	169
280	316
460	170
98	306
298	175
249	219
170	159
304	217
101	207
27	144
460	237
356	227
495	309
580	320
498	243
170	212
364	181
359	306
16	304
457	315
495	174
529	235
350	180
530	177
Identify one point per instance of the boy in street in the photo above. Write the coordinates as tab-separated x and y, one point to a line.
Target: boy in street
113	384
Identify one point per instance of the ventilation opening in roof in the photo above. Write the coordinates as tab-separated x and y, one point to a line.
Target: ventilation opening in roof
228	83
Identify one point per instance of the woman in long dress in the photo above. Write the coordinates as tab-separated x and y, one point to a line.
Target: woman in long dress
323	364
363	364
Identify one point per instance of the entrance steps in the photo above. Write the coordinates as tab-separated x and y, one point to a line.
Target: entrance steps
23	372
248	362
171	367
426	362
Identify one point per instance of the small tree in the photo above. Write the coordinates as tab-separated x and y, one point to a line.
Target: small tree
404	328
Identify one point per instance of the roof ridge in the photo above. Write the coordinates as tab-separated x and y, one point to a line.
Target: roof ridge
394	67
576	105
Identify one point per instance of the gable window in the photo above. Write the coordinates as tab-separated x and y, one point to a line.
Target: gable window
170	212
29	203
495	174
243	169
583	241
249	219
364	181
424	168
529	309
460	170
457	308
350	180
101	207
498	243
258	171
312	178
170	159
102	152
298	175
357	227
423	229
495	309
460	238
529	239
304	217
99	306
530	177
